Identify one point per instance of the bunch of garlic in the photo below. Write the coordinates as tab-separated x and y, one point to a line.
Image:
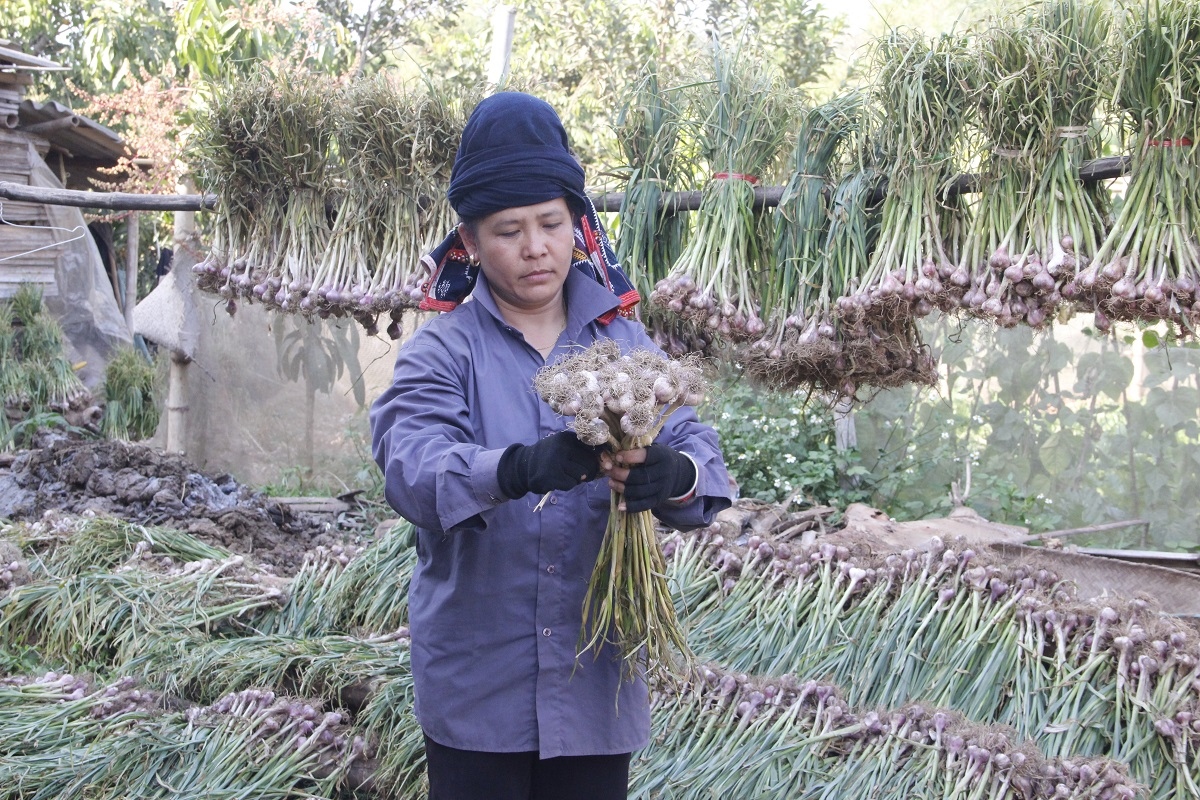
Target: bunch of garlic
620	399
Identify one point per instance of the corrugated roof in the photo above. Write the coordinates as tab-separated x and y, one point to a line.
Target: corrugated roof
81	137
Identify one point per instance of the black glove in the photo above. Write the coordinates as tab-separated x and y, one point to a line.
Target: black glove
665	473
560	461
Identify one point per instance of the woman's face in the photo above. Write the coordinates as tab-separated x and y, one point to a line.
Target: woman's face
525	252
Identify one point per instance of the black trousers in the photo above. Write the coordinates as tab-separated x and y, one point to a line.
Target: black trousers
470	775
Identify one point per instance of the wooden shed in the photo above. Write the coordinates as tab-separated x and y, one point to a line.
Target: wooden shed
47	145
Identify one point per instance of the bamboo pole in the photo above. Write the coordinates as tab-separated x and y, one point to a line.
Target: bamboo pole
113	201
177	383
764	196
177	403
42	128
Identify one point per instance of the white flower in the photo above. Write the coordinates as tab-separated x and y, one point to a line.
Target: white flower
789	458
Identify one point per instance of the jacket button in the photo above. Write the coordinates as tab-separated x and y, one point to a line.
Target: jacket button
553	500
550	569
545	631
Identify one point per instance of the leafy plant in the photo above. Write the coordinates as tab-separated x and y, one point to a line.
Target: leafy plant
1053	430
20	435
36	380
778	448
131	411
26	304
1062	429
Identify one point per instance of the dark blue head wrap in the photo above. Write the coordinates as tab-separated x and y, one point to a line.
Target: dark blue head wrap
513	153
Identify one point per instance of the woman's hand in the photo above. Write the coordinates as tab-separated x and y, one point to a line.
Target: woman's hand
647	477
559	461
616	466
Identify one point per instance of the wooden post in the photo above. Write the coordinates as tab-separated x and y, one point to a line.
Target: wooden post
503	22
132	234
844	432
177	383
114	274
845	436
177	403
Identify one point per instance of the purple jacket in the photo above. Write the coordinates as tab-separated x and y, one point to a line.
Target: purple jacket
496	597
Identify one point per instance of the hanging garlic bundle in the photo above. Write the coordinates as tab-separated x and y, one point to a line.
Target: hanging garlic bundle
1039	81
329	194
376	232
1148	268
802	311
623	401
921	98
650	236
266	147
719	279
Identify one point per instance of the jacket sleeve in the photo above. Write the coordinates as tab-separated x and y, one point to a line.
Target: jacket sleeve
685	433
435	475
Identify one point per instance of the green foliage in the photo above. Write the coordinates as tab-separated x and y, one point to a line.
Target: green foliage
21	435
103	43
122	39
554	54
795	35
382	26
36	380
108	44
208	39
916	450
1043	430
582	54
1058	433
26	305
778	449
132	410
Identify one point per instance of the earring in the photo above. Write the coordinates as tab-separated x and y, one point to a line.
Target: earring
474	259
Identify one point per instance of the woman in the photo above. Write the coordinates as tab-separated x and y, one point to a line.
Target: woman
468	450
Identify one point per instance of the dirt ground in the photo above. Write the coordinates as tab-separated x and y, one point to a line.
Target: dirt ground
149	486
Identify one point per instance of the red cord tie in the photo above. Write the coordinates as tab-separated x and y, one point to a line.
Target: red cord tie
1181	142
736	176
